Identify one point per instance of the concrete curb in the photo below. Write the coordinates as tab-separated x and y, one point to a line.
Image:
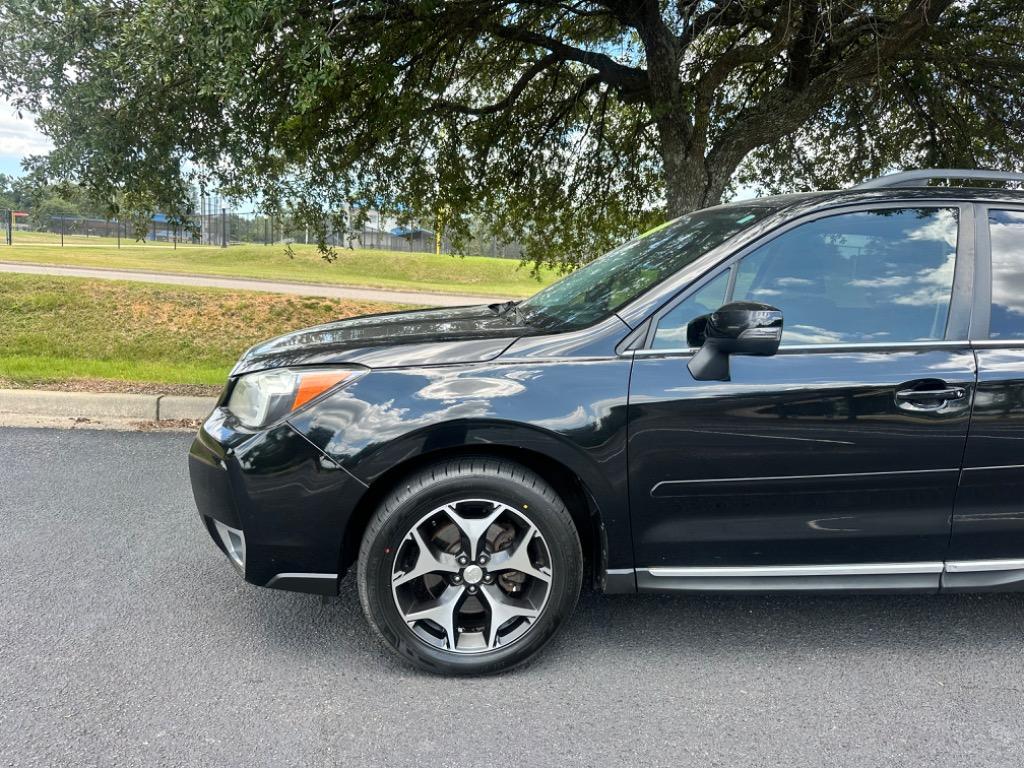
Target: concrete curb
93	405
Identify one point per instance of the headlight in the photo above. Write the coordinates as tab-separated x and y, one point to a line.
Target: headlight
259	399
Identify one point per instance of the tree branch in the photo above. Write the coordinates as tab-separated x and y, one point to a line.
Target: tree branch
784	109
629	80
520	85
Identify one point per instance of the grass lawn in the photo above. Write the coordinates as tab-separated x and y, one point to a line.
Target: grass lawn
379	269
55	329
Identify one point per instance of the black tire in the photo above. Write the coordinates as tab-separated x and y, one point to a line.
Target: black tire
446	482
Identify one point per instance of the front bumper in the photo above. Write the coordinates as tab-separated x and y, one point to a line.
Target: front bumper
273	503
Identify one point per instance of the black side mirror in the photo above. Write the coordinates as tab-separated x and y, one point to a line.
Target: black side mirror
740	328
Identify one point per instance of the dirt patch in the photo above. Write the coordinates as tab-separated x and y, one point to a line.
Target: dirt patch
187	425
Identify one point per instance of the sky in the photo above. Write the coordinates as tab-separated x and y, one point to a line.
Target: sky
18	138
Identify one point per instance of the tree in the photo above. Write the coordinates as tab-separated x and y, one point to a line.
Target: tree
564	123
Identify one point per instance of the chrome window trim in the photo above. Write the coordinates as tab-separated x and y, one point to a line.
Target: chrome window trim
998	344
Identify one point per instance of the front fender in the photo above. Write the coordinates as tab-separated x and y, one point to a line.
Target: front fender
572	412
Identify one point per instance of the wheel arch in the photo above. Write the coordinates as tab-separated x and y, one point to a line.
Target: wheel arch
578	497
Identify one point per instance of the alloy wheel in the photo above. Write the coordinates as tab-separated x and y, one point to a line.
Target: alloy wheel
472	576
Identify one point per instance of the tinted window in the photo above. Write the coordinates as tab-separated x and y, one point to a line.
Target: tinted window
671	333
870	276
612	281
1007	232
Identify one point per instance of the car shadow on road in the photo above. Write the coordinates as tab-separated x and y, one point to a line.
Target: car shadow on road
608	628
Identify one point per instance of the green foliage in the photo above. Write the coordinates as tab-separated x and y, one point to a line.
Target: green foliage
45	200
563	124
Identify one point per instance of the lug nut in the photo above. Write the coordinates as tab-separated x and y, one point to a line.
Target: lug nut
462	560
456	578
472	589
483	559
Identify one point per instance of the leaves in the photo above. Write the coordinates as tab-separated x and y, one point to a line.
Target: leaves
566	125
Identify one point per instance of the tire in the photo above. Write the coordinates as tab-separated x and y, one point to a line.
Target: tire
441	508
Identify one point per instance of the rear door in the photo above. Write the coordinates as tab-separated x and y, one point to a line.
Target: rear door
834	463
987	546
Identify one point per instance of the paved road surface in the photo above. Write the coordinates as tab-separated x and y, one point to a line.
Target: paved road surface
126	639
247	284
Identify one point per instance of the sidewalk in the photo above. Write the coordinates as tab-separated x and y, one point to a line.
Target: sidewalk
250	284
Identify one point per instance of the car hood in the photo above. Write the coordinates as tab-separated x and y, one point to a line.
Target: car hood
418	337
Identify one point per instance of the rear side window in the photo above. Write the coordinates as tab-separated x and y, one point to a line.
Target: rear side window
1006	229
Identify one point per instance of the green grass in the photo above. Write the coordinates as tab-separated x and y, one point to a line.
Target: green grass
54	329
367	268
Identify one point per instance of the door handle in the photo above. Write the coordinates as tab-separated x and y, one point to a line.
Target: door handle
931	399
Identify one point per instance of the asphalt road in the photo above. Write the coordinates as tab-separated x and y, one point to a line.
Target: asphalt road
126	639
251	284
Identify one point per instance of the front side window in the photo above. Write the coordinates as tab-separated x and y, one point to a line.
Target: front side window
1006	230
672	329
871	276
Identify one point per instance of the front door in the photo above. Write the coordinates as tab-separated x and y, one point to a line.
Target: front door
838	457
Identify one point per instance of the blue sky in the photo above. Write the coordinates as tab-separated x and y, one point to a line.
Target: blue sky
18	138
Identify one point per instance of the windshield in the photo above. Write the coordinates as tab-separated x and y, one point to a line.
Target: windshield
615	279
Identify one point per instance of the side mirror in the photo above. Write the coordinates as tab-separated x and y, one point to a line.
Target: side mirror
740	328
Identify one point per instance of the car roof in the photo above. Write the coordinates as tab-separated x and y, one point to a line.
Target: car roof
806	201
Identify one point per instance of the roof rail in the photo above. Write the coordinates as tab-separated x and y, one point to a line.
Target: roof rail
920	178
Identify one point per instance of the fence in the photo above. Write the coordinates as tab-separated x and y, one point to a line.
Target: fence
224	227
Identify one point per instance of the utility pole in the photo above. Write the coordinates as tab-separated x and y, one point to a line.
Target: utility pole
224	227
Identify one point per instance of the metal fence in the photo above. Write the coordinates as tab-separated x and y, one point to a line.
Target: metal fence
223	227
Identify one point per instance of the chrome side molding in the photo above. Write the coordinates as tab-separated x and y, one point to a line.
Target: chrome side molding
929	576
770	571
977	566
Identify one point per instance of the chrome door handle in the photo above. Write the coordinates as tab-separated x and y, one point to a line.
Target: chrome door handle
949	393
935	397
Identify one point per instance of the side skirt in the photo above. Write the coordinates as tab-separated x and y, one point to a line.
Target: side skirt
921	577
983	576
882	577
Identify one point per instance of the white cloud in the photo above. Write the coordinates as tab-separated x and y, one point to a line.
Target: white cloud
19	137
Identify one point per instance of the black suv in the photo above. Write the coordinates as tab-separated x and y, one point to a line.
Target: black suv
819	392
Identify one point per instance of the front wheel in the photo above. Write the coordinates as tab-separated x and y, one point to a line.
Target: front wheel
470	566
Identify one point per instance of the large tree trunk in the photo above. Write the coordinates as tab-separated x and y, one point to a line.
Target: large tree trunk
684	175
